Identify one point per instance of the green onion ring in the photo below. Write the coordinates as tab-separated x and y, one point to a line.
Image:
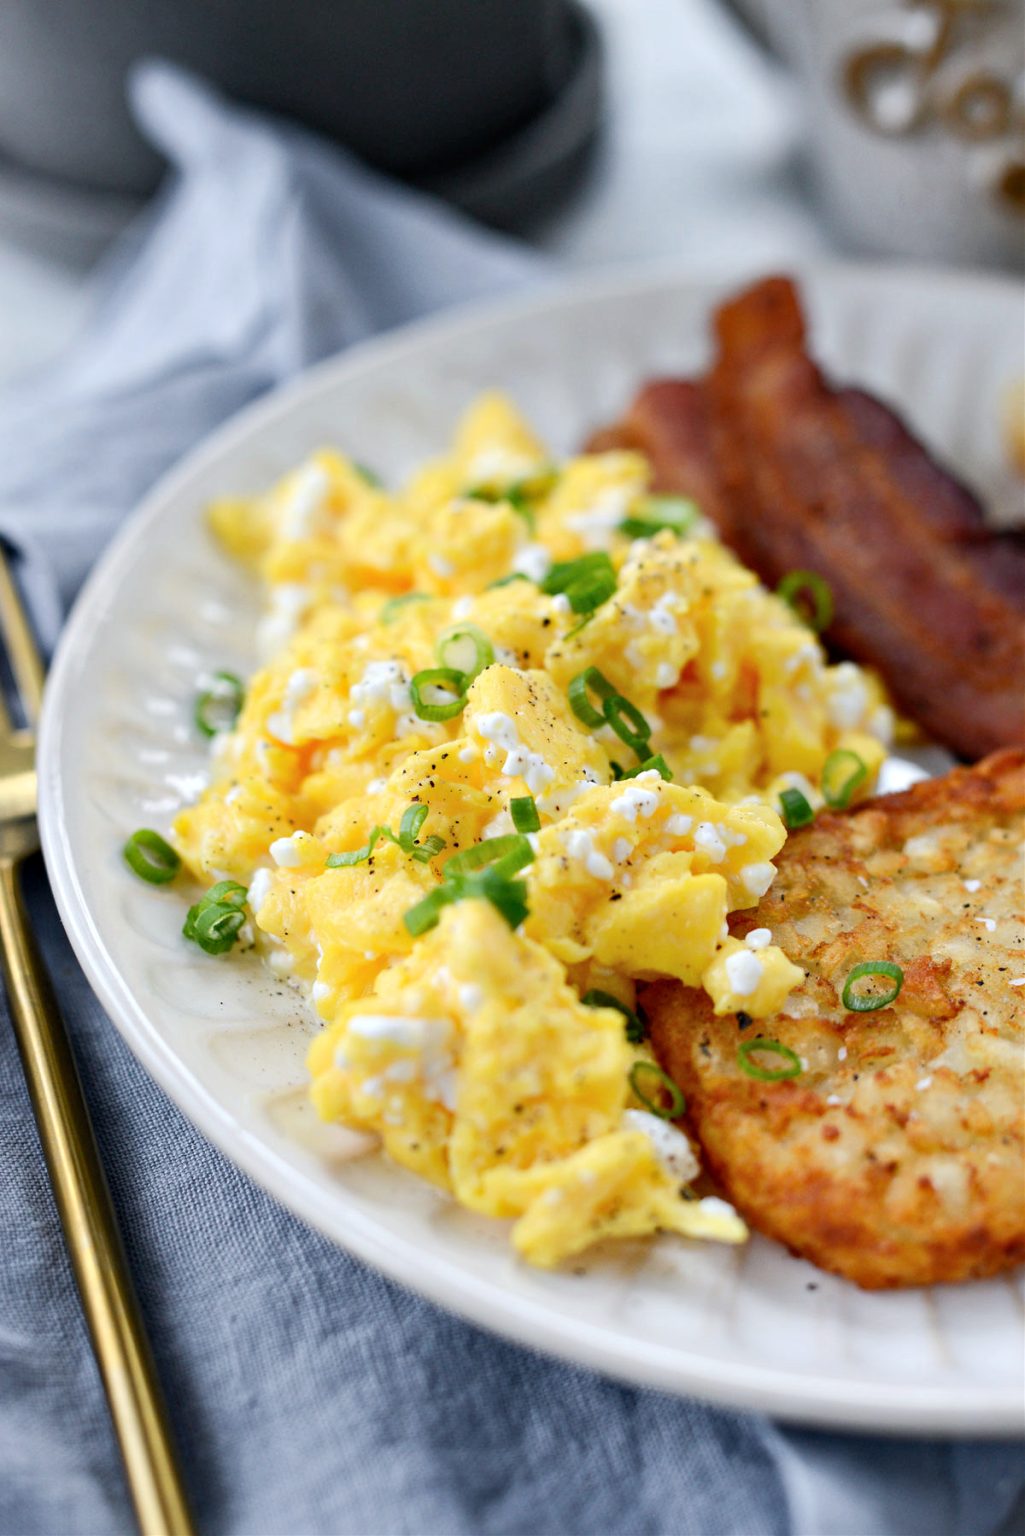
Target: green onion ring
792	1067
636	1029
228	892
869	1002
510	853
516	495
424	852
524	813
215	920
440	679
150	857
509	897
426	913
590	592
562	575
224	697
658	763
615	709
413	818
842	773
677	1103
798	584
587	682
624	718
357	855
587	582
653	513
465	648
215	927
796	808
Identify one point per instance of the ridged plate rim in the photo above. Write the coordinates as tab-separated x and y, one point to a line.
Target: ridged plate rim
959	1407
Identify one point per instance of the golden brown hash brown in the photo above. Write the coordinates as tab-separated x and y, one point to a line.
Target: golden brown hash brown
896	1157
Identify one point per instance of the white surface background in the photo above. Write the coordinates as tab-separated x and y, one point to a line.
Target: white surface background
694	164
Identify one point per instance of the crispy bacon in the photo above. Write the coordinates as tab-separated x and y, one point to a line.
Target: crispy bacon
798	474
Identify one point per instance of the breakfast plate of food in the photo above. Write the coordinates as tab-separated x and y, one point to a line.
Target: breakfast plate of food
544	794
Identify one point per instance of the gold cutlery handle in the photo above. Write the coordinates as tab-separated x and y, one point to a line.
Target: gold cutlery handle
94	1244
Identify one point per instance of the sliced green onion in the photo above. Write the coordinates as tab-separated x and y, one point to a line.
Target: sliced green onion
842	773
516	495
505	581
508	897
465	648
810	596
438	693
216	927
426	913
483	872
797	810
228	892
658	1080
523	811
357	855
657	762
591	591
509	854
791	1062
367	474
424	852
628	723
218	707
215	920
636	1029
564	573
393	607
624	718
587	582
653	513
868	1002
413	818
150	857
585	683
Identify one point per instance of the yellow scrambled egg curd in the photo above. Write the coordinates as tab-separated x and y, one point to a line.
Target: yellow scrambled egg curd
547	659
481	1069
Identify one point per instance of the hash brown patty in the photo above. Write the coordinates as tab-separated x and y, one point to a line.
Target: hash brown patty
895	1158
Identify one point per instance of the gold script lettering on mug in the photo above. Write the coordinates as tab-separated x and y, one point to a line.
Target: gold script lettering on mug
896	86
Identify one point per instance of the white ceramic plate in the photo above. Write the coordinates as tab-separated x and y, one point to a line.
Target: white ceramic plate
752	1327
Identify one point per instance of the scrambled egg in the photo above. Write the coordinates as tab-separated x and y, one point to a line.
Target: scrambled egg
464	1041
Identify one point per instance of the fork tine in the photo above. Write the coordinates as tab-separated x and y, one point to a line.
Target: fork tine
23	653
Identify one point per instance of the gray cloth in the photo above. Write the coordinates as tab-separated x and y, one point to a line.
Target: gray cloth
310	1395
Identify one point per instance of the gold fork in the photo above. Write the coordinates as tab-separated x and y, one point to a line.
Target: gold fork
76	1173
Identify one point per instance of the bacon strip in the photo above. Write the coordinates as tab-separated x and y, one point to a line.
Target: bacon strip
800	475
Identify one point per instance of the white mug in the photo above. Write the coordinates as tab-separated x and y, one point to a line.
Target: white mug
915	119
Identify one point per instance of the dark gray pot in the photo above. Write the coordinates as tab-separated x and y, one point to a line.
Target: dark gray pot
414	86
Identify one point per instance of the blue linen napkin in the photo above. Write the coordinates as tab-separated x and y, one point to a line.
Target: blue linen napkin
309	1394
